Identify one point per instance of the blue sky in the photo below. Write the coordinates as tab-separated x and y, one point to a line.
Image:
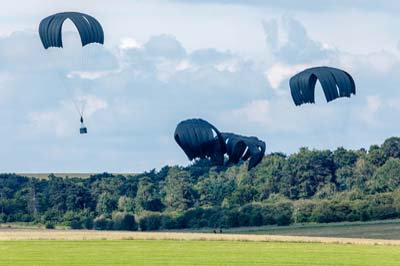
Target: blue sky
165	61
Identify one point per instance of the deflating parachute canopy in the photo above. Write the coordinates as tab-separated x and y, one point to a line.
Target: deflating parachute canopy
335	83
50	29
242	148
200	139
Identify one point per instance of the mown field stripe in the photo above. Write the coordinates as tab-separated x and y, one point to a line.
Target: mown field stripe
193	253
28	234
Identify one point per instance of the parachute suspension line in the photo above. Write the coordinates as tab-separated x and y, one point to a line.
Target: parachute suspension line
87	55
83	107
81	65
73	63
82	70
73	100
68	90
64	85
85	68
76	105
314	132
346	122
338	135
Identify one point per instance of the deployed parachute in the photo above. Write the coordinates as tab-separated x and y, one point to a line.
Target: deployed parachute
335	83
200	139
50	29
242	148
90	32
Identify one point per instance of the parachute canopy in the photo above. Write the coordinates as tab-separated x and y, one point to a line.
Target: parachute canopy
242	148
200	139
335	83
78	63
50	29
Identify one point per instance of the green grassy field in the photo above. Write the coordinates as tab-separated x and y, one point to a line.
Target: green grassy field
84	253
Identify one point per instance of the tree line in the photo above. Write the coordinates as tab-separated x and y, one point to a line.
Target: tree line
308	186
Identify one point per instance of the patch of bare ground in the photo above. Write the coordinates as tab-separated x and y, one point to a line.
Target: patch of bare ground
43	234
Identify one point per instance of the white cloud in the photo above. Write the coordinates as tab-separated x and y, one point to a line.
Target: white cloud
92	104
381	62
394	103
4	89
46	123
280	72
183	65
129	43
368	113
289	42
281	116
91	75
256	112
231	66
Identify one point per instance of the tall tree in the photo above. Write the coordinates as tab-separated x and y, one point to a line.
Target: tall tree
179	194
148	196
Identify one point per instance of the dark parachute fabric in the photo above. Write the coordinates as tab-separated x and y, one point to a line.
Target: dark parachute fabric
50	29
335	83
242	148
199	139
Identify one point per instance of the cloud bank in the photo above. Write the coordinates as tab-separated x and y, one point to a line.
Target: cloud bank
137	89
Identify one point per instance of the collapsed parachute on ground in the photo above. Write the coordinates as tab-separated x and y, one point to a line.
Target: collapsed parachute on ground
242	148
50	29
200	139
335	83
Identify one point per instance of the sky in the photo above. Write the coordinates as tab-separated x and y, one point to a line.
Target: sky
228	62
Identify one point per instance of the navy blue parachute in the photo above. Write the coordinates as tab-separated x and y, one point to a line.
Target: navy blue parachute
90	31
200	139
242	148
335	83
50	29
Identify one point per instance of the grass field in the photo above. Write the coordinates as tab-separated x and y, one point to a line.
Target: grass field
310	244
41	247
167	252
